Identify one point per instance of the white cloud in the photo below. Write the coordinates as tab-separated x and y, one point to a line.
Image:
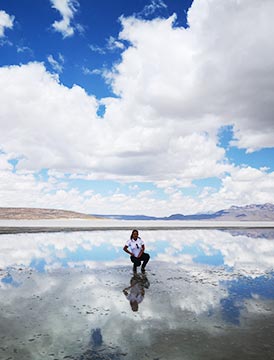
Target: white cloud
245	255
246	185
88	71
235	65
113	44
5	42
177	87
24	49
4	162
6	22
152	7
23	188
68	135
23	185
218	67
97	49
67	9
57	65
53	129
134	187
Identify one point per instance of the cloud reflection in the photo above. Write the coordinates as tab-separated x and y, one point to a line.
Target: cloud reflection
186	248
57	312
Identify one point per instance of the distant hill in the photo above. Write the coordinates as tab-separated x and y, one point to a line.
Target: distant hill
9	213
253	212
264	212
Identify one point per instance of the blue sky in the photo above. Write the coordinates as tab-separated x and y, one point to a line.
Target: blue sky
34	38
136	107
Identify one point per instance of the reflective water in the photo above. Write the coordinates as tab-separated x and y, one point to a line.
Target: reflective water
207	294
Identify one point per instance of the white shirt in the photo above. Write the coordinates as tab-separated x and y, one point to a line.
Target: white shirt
135	246
136	294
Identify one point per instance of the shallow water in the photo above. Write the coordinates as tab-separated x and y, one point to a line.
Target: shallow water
207	294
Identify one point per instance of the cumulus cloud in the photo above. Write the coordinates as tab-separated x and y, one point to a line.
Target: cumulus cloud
175	89
175	106
29	189
46	119
214	68
67	9
68	134
6	22
245	185
235	67
59	129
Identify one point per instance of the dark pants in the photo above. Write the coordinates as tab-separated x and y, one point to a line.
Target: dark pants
137	261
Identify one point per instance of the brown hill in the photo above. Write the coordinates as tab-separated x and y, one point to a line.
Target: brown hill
9	213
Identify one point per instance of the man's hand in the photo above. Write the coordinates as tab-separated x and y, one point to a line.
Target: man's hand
127	251
141	252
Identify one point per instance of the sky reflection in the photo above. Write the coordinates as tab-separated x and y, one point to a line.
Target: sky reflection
44	252
74	295
243	289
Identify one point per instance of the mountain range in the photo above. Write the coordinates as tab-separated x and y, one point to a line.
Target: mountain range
253	212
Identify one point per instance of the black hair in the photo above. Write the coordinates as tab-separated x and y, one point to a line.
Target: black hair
133	231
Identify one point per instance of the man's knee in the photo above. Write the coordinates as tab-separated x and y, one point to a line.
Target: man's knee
146	256
136	261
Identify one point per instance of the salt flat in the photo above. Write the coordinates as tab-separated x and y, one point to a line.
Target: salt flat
17	226
74	314
206	294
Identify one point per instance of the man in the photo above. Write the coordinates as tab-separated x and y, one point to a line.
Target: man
136	252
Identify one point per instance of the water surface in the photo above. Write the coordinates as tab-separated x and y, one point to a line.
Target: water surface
207	294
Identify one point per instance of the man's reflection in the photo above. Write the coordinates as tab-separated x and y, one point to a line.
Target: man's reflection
136	291
98	349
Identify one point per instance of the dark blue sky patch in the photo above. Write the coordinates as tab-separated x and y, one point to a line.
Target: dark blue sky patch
242	289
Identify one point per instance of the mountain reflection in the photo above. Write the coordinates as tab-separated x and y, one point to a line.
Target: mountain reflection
253	233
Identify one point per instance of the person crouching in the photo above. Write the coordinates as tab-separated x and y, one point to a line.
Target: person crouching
137	251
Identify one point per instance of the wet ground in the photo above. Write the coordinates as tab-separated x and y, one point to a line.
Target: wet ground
207	294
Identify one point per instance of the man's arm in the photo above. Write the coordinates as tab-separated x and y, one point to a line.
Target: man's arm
125	291
127	251
142	251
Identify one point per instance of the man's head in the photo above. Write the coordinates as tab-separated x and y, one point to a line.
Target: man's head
134	305
134	234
